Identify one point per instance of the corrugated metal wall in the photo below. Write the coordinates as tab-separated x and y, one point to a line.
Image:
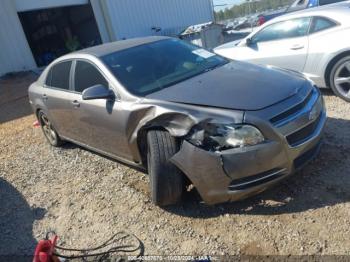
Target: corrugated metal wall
117	19
15	54
132	18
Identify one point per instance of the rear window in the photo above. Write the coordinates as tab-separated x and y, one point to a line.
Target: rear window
58	75
321	23
327	2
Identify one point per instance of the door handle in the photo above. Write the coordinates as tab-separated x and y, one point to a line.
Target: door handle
297	47
75	103
44	97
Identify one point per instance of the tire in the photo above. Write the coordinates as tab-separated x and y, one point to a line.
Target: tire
341	69
166	180
49	132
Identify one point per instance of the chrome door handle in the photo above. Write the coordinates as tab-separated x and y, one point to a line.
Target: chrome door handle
75	103
297	47
44	97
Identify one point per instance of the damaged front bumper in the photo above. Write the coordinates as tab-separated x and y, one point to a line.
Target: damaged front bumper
238	173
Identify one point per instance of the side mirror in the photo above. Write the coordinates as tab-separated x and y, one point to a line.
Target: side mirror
248	41
97	92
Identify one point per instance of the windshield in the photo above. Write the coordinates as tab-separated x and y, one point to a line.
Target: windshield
151	67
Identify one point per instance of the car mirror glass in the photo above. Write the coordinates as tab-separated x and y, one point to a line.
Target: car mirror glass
248	41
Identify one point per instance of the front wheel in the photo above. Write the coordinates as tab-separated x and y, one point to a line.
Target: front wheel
340	78
166	180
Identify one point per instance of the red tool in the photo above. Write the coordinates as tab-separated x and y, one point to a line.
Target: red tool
36	123
44	251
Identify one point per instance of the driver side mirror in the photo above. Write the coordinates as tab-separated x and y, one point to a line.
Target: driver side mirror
248	41
97	92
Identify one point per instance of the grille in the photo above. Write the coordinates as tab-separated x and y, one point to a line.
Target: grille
255	180
288	113
303	134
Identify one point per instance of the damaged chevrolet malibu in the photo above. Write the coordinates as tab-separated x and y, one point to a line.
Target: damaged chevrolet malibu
187	116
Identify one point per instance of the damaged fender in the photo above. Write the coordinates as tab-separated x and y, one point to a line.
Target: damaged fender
178	119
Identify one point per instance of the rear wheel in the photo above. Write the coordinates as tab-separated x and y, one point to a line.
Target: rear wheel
166	180
340	78
48	130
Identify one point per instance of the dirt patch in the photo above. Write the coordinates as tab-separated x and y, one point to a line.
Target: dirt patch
14	96
86	198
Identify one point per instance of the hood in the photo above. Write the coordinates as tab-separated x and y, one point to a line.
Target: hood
228	45
237	85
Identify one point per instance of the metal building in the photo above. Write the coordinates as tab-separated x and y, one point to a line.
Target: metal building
33	33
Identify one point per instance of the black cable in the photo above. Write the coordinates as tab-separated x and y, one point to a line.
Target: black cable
98	247
103	255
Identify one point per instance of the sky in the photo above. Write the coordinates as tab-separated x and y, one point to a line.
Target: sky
227	3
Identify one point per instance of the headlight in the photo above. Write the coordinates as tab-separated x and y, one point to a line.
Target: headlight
215	137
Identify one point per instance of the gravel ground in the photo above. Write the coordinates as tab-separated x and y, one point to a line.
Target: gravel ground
86	198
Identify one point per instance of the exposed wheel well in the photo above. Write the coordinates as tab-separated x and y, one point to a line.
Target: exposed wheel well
142	145
37	114
331	64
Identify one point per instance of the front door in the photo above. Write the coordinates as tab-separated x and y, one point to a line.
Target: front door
100	122
283	44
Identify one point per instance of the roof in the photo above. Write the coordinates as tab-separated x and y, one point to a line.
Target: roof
104	49
339	11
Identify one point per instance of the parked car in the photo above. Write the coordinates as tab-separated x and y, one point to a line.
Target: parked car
304	4
314	41
184	114
266	16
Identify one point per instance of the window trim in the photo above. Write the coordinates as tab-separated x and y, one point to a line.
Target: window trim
307	31
69	80
322	17
96	67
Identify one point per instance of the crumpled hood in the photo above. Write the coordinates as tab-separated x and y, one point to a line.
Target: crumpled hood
237	85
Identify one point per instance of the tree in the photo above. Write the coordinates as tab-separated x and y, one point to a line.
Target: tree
255	6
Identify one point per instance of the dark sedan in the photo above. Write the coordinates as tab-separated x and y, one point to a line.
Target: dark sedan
229	128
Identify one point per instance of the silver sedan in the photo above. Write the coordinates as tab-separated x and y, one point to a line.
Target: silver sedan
184	114
314	41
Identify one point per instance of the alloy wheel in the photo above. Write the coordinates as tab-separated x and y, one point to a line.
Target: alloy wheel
342	79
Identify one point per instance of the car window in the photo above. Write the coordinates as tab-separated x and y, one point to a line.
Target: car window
327	2
298	4
321	23
282	30
87	75
58	75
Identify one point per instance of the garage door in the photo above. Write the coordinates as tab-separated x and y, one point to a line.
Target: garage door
53	32
29	5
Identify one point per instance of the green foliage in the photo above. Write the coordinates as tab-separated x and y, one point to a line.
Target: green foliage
244	8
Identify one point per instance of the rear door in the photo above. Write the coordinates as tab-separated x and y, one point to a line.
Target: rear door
56	97
283	44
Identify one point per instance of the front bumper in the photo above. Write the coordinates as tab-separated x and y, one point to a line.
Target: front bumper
238	173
